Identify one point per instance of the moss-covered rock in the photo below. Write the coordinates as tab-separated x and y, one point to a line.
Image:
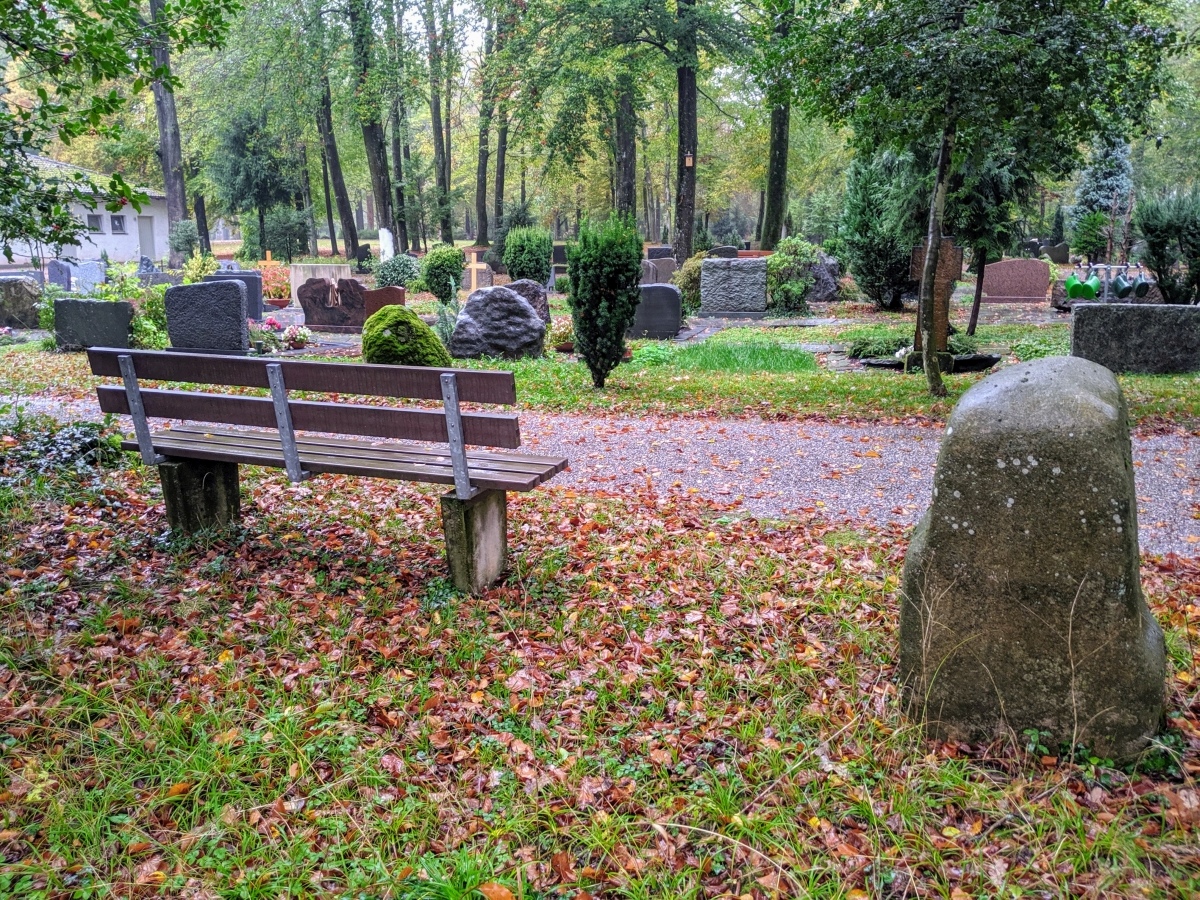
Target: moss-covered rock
394	336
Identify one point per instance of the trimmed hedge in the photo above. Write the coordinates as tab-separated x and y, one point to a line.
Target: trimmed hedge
605	269
527	254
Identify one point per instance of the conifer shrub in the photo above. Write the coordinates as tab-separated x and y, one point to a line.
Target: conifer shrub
442	270
527	253
605	269
395	336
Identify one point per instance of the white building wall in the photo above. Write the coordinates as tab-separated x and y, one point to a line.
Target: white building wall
119	247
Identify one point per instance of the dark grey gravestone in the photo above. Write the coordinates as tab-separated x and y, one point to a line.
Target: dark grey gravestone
1140	339
18	301
733	288
209	316
667	267
254	290
86	275
825	271
79	324
559	255
659	313
1031	248
535	294
660	252
146	266
59	273
497	322
1057	253
1022	603
725	252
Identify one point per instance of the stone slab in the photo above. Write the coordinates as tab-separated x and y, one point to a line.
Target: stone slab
342	306
86	275
80	323
209	315
254	289
733	288
59	273
1016	281
302	272
1137	338
659	313
657	253
374	301
725	252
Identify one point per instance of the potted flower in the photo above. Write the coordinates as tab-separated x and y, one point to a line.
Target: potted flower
296	336
273	323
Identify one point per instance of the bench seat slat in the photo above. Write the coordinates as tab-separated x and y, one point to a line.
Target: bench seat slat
392	461
412	382
504	462
479	429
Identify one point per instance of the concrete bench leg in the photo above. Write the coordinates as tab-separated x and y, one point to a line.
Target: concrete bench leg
200	494
476	538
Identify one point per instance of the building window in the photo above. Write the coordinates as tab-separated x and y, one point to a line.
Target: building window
118	224
95	224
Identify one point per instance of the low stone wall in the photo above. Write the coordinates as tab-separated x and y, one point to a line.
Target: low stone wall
1139	339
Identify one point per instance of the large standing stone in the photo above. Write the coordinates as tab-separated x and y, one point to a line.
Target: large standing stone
825	272
254	288
1022	605
667	267
79	324
535	294
18	302
210	315
733	288
499	322
304	272
659	313
1059	254
1016	281
59	273
1150	340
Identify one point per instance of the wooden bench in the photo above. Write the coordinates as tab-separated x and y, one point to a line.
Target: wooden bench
198	466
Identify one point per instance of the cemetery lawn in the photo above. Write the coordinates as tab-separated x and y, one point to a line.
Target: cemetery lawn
665	699
743	371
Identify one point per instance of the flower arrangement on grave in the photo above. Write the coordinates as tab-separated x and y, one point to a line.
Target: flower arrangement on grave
277	282
296	336
273	323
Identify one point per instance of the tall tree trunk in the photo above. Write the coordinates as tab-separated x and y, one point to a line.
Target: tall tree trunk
981	256
262	234
306	196
328	205
501	159
487	105
762	204
626	140
400	216
776	197
366	100
201	222
440	168
647	189
933	237
341	196
413	201
686	155
170	147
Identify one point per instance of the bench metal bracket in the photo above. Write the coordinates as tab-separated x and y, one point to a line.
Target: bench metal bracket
454	432
137	412
283	420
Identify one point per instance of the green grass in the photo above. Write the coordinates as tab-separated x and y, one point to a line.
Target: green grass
662	700
765	375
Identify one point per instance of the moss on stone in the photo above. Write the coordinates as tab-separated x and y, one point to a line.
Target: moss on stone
395	336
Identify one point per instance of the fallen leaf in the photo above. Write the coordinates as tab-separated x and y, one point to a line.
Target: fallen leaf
494	891
179	789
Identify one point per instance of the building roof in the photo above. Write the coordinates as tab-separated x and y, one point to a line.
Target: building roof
58	167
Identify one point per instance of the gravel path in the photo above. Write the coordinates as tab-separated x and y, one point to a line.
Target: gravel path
872	474
875	474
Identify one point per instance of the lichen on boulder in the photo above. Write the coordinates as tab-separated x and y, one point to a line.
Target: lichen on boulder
395	336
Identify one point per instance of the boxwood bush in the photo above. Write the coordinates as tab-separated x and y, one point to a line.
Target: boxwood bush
442	270
527	253
397	271
395	336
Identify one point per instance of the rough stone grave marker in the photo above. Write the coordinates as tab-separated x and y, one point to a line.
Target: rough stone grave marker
498	322
1140	339
208	317
1022	605
733	288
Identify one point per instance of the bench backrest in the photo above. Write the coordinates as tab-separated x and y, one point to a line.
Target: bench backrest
412	382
